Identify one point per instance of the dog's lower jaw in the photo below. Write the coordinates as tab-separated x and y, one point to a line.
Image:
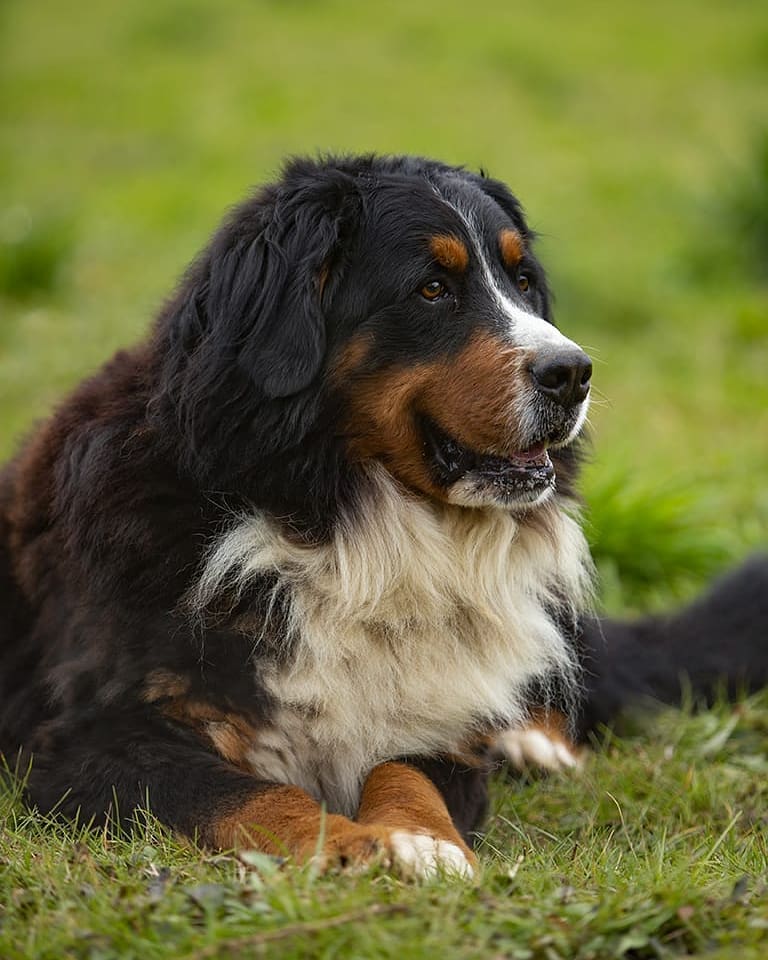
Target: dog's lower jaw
476	492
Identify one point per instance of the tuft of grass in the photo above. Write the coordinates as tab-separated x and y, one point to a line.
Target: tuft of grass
746	202
35	252
653	539
732	222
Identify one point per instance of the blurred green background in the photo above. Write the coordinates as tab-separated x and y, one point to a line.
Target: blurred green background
635	134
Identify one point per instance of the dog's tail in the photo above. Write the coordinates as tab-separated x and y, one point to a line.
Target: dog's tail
717	644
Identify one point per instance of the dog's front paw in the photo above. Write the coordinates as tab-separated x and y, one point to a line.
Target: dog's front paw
412	856
347	846
421	857
537	747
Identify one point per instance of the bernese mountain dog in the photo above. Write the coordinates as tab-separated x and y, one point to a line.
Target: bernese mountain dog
280	569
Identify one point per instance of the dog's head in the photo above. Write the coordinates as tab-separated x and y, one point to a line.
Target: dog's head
398	302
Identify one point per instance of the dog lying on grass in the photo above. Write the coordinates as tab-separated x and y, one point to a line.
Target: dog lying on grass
282	568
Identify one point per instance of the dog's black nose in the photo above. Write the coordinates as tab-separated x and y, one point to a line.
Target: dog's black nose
563	375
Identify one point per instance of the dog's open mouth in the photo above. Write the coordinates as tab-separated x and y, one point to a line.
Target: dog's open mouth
522	476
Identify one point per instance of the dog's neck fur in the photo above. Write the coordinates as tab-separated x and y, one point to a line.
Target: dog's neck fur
416	626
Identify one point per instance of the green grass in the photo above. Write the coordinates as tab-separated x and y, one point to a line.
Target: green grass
636	136
658	849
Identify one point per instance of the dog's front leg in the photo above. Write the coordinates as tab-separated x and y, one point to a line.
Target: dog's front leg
115	765
286	821
424	840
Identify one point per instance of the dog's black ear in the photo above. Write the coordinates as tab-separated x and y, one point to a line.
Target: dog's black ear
270	270
245	334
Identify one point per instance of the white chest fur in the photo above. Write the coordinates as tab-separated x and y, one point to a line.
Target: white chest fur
411	629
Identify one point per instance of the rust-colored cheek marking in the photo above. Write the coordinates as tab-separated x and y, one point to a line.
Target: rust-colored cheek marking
474	395
471	396
402	798
511	247
450	252
381	424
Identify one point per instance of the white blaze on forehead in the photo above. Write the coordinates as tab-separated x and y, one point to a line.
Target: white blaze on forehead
523	328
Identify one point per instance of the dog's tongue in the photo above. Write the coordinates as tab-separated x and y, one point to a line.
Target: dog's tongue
532	456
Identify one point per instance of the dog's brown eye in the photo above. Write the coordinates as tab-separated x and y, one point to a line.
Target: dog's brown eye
433	290
523	283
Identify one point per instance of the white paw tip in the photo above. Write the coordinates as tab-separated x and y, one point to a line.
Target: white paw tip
533	748
423	857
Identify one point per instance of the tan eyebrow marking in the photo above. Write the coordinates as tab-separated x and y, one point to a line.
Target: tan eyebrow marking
511	247
450	252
